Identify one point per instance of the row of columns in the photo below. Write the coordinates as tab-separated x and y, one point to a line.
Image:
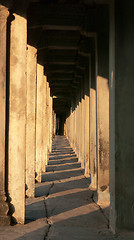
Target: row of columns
26	117
110	117
87	123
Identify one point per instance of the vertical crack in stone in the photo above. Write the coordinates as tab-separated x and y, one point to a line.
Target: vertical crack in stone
46	210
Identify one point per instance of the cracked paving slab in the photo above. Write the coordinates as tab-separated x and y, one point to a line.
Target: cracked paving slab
71	211
63	207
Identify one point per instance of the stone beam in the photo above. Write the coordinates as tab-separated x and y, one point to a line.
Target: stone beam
60	68
44	15
60	75
51	79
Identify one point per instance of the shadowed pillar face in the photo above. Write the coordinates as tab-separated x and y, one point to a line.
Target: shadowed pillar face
3	23
121	116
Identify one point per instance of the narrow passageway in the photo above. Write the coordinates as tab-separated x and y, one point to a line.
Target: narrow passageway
71	212
63	207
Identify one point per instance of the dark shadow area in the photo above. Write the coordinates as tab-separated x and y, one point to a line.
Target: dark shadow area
63	156
63	161
92	225
63	167
29	234
61	175
43	189
35	210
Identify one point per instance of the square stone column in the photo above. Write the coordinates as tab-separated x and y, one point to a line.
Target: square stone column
93	138
80	130
30	121
83	126
51	123
87	105
93	167
17	117
121	86
47	119
39	128
44	126
102	91
79	123
4	220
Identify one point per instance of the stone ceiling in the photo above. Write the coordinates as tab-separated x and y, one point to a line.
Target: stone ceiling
63	32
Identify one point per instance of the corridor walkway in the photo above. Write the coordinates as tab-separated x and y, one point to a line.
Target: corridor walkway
63	208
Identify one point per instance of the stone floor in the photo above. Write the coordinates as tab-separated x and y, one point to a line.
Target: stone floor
63	207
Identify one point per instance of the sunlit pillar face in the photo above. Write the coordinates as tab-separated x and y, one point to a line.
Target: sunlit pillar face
30	120
4	220
17	117
39	129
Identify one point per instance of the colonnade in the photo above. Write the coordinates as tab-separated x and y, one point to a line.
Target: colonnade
99	124
101	116
87	129
26	117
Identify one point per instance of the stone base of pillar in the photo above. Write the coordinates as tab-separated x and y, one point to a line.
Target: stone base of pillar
4	219
102	197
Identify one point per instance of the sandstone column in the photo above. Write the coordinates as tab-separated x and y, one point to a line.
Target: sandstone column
83	127
39	132
17	117
102	91
47	120
51	123
3	23
54	123
80	130
30	122
121	86
77	121
92	115
44	126
93	137
87	99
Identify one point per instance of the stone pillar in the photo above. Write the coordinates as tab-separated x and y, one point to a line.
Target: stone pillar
30	122
44	126
17	117
75	123
4	220
87	99
50	117
93	138
54	123
80	130
51	123
83	127
103	138
93	167
121	87
102	86
71	120
39	132
79	123
47	119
